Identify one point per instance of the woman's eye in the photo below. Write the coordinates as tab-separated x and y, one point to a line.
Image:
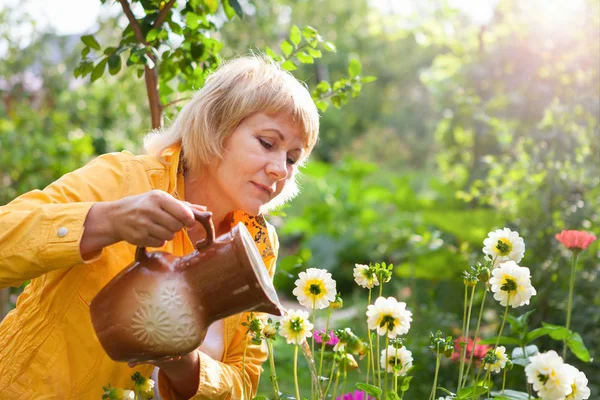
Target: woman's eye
265	144
291	161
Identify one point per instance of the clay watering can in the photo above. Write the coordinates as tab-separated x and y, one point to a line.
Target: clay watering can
160	306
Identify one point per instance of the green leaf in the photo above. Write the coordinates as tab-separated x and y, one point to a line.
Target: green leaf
354	68
237	7
392	396
511	395
286	48
503	340
309	32
229	11
289	66
521	359
329	47
98	70
295	35
270	52
90	41
368	79
323	87
304	58
536	333
405	383
557	332
114	64
85	52
576	345
152	34
322	105
260	398
369	389
212	5
315	53
192	20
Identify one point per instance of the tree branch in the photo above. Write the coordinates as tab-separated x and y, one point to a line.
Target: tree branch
163	14
135	25
176	101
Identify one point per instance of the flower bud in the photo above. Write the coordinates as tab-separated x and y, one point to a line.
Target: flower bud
337	303
143	386
470	281
509	365
269	331
350	362
483	275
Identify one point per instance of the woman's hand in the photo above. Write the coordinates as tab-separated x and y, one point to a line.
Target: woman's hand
150	219
183	372
145	220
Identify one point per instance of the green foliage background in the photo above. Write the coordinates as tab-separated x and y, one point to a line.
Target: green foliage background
469	127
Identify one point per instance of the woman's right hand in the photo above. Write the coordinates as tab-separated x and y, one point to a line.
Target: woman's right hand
145	220
150	219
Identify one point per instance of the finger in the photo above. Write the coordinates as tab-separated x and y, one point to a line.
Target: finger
160	232
167	221
178	210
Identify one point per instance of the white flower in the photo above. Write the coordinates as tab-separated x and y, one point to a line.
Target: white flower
389	317
365	276
399	357
550	377
579	385
315	288
510	280
499	358
446	398
503	245
295	327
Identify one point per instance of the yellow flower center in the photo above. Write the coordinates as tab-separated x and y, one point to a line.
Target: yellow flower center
314	288
509	285
503	247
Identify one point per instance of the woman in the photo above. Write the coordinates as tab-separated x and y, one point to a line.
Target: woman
234	149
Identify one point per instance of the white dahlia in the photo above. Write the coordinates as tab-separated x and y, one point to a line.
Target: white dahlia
295	327
580	390
550	377
396	357
512	283
496	359
315	288
503	245
365	276
389	317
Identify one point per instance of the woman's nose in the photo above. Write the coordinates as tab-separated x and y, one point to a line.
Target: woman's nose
277	167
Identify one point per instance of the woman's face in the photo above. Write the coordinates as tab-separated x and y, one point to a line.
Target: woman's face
260	158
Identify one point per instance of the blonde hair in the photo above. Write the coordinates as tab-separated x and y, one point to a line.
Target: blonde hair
236	90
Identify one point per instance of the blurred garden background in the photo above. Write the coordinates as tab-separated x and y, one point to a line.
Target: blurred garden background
484	114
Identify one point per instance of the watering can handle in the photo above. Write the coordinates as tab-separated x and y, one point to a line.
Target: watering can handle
205	218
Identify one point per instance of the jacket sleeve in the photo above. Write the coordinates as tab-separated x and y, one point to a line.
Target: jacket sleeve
40	231
225	380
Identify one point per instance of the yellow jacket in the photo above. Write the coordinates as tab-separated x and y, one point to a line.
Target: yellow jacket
48	348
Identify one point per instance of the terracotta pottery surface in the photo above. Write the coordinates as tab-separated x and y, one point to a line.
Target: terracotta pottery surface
160	306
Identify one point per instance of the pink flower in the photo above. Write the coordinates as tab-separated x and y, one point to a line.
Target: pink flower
478	354
333	340
575	240
356	395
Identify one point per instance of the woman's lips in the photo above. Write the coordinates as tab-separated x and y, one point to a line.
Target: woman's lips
263	189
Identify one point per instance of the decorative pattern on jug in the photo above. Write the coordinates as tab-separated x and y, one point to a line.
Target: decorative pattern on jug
163	320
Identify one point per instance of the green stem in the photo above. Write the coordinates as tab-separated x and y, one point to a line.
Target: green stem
466	335
345	377
463	334
466	374
378	354
570	301
273	373
335	385
323	342
503	322
370	354
437	368
312	350
477	380
296	372
503	381
385	386
333	367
